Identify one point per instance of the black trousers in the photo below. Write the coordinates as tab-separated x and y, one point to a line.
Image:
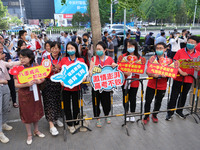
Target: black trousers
132	93
104	99
173	54
68	97
175	94
150	93
11	85
115	51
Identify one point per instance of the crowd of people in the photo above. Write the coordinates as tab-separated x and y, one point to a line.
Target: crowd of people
31	50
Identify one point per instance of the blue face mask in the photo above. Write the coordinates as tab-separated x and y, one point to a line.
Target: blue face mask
71	52
159	53
131	50
190	46
99	52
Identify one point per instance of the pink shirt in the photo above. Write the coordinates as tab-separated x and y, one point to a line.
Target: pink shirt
3	69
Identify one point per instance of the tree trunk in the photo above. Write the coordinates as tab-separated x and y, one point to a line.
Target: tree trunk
95	22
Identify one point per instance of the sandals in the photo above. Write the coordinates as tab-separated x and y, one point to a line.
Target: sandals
39	134
108	120
15	105
99	125
29	142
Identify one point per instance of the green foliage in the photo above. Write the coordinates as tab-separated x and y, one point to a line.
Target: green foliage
15	20
3	18
78	18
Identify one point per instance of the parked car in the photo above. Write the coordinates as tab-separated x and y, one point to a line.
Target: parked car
117	28
18	28
121	35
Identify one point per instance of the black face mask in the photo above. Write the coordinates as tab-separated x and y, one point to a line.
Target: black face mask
85	40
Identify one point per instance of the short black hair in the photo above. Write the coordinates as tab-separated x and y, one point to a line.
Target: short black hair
184	30
161	43
105	32
86	34
53	44
21	33
47	42
162	33
76	47
195	38
27	52
161	30
19	44
74	32
66	32
102	44
129	30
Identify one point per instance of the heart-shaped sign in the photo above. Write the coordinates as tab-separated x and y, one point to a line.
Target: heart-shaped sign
120	58
132	59
164	61
20	68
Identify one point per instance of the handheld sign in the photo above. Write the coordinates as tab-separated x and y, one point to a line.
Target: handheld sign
29	74
106	78
131	64
164	67
189	63
71	75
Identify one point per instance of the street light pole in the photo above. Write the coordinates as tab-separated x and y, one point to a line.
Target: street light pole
20	5
124	23
111	14
195	10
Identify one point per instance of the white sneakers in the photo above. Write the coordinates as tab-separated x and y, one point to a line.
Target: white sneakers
6	127
3	138
54	131
71	129
131	119
59	123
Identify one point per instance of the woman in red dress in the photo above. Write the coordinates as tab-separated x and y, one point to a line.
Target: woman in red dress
31	111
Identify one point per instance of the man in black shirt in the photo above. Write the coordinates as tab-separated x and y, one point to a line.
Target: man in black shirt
104	38
128	35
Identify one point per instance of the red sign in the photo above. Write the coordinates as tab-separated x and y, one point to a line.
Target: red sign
165	67
68	16
131	64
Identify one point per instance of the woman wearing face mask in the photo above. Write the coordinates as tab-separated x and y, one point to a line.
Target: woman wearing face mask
72	56
185	53
151	86
132	49
104	97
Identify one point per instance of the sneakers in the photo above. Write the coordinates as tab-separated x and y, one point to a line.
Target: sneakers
145	120
71	129
108	120
59	123
3	138
155	119
98	124
168	117
6	127
127	119
54	131
132	119
181	115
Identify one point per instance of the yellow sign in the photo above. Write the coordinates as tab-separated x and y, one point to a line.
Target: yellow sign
37	72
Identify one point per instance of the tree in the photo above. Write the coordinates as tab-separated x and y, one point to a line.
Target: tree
77	19
15	20
95	20
3	18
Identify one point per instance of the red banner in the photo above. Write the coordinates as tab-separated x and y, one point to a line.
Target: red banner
165	67
131	64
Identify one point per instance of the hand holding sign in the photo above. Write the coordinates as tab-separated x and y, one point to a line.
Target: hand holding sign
71	75
106	78
131	64
165	67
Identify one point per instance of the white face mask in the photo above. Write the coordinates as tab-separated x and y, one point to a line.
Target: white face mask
27	37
